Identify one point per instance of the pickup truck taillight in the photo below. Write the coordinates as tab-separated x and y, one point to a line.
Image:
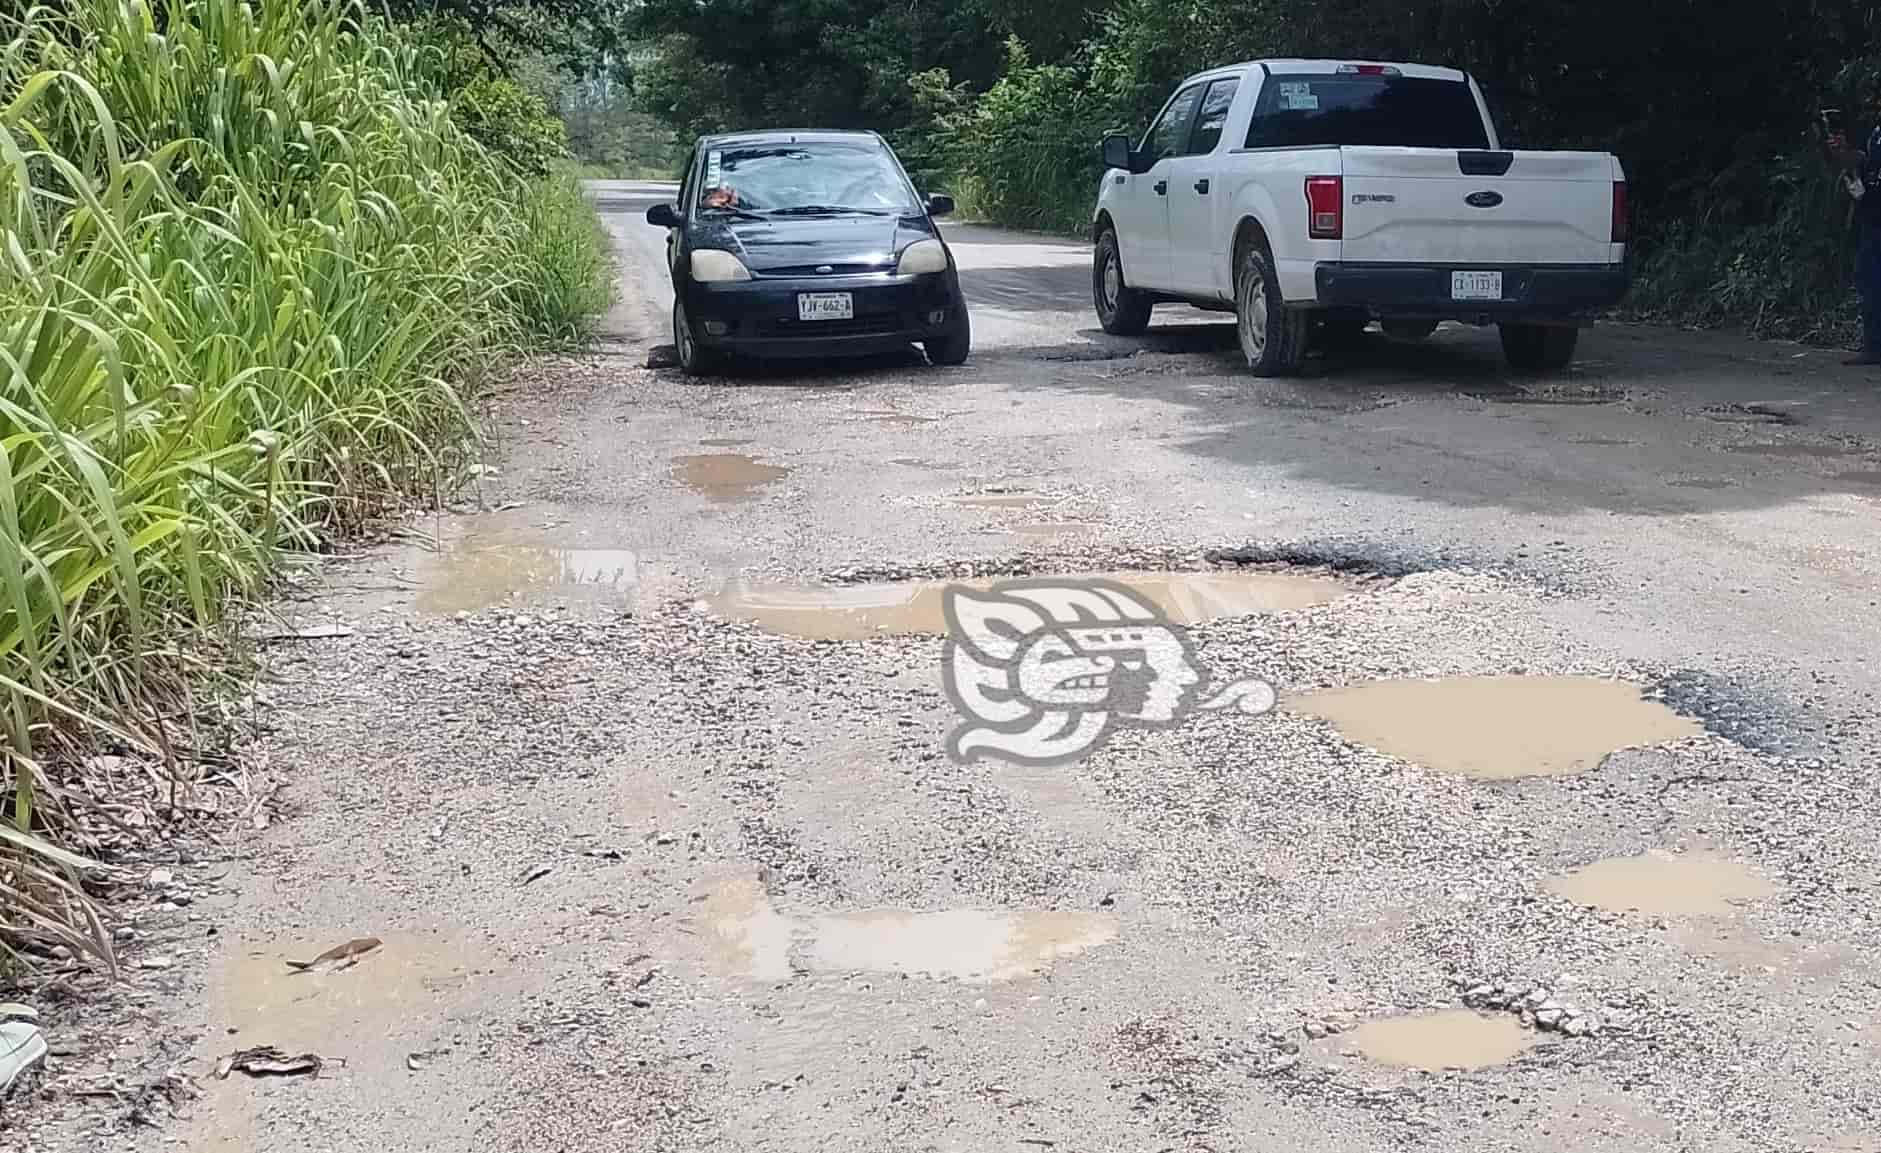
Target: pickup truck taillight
1325	207
1619	212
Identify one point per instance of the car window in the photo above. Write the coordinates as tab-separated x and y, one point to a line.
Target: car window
804	178
1213	115
689	179
1170	137
1303	111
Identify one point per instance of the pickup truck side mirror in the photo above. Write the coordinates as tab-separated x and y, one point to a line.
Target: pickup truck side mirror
1117	153
664	216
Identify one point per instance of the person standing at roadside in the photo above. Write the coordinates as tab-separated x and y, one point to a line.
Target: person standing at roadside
1863	179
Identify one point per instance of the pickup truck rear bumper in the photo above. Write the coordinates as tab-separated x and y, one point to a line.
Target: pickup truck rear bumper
1529	291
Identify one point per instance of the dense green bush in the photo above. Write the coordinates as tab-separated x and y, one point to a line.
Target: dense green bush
253	262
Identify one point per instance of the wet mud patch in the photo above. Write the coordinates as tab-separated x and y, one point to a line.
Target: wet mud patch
726	477
1496	728
915	608
1664	884
1727	707
749	938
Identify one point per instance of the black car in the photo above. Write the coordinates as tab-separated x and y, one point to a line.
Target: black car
807	244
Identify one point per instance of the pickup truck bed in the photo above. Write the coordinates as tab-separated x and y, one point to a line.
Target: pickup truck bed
1312	197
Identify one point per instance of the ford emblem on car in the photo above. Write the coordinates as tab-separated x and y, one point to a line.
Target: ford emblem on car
1483	199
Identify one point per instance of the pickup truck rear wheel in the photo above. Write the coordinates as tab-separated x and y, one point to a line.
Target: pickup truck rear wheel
1273	336
1539	347
1121	310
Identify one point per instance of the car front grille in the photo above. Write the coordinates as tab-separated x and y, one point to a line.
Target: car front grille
866	324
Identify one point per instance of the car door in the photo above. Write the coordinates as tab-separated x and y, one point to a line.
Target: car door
688	191
1193	238
1143	234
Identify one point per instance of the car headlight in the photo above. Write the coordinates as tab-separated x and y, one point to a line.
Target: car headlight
922	256
715	266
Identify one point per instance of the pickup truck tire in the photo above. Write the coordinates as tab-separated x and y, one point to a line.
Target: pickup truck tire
1539	347
1121	310
1273	337
1409	331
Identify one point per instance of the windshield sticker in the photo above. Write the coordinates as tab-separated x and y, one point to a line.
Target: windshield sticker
1298	96
714	161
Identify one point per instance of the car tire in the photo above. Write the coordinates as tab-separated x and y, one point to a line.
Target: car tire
1409	331
1121	310
1272	336
1539	347
694	359
953	345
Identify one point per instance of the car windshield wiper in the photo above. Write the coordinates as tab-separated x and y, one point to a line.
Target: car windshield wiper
828	210
740	213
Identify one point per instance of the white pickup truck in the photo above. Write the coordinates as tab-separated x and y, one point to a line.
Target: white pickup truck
1313	196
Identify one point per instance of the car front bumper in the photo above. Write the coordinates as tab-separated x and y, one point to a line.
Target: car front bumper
1529	291
759	317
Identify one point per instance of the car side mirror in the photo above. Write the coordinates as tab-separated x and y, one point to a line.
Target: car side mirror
1117	152
940	204
663	215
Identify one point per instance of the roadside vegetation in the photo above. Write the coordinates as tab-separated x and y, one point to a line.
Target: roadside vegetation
258	259
1712	107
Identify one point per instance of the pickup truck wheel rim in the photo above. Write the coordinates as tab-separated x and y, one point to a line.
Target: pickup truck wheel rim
1254	316
1113	281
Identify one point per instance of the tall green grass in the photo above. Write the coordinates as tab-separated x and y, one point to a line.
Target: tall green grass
249	266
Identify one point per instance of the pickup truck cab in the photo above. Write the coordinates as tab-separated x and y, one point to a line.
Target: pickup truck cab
1311	197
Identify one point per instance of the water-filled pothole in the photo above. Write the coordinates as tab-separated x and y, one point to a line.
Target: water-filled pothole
1497	727
1662	884
1451	1039
471	577
725	477
855	612
750	938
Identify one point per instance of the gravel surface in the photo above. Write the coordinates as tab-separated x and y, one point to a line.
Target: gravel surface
544	804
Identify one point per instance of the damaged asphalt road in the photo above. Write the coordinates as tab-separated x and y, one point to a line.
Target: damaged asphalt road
662	849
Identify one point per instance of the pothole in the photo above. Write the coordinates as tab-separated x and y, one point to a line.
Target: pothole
472	577
1792	448
751	939
1450	1039
725	477
1662	884
856	612
1497	728
1748	414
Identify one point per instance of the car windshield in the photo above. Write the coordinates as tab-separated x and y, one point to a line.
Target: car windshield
804	179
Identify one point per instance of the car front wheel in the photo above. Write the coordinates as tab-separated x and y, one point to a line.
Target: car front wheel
694	360
953	344
1121	310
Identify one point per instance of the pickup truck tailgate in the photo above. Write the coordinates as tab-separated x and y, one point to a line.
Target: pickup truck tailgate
1424	206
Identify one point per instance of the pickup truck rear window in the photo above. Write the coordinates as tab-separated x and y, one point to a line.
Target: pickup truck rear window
1305	111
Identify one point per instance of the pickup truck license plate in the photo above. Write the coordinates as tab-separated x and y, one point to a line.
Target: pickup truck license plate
826	306
1475	286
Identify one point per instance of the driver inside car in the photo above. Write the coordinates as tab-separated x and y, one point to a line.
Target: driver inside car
724	196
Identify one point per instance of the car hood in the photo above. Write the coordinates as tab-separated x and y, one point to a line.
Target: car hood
844	243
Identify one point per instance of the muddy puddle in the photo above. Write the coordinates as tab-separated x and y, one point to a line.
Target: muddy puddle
1792	449
726	477
1452	1039
1497	727
856	612
1662	884
472	576
749	938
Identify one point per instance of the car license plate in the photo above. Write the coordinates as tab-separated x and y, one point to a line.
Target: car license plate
1475	286
825	306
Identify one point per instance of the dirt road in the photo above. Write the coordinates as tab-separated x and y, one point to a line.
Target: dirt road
665	851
